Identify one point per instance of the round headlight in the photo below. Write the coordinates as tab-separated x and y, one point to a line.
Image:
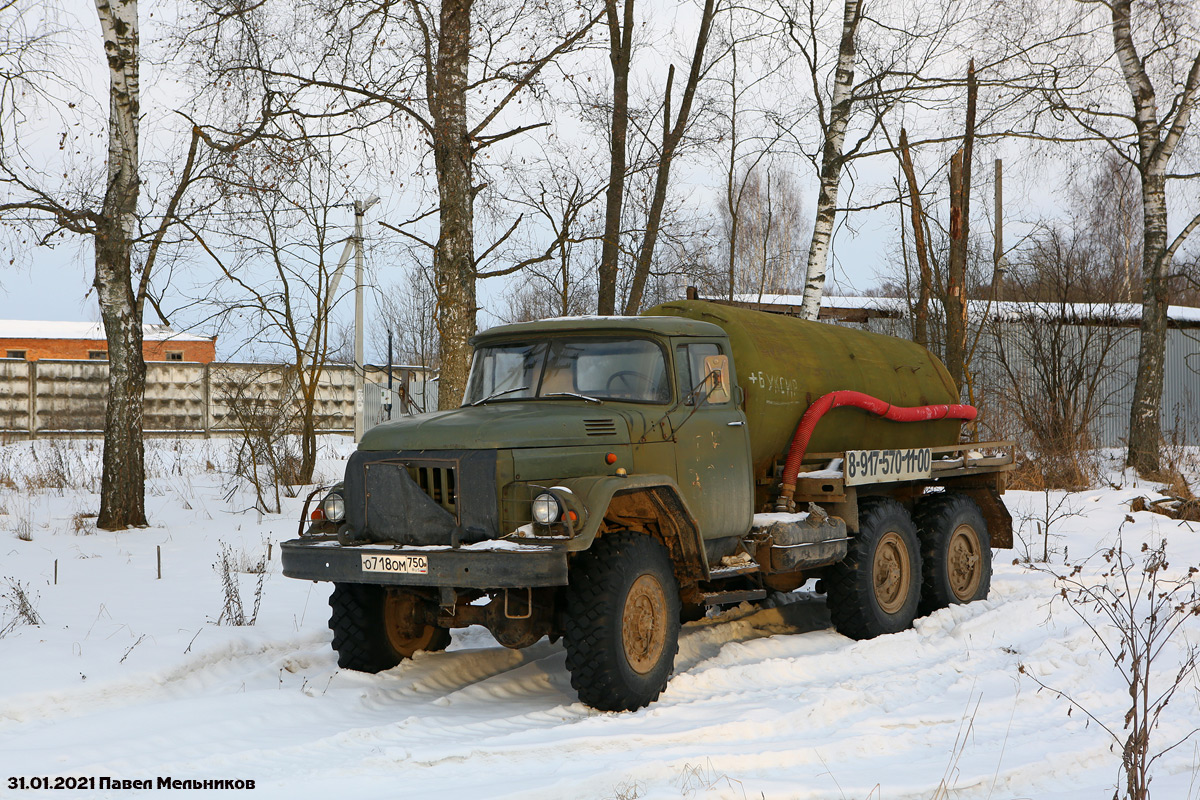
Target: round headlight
334	507
545	509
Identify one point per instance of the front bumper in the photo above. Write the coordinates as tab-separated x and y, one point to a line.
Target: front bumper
478	567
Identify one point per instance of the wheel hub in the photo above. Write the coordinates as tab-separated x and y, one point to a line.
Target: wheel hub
892	573
643	624
965	564
404	633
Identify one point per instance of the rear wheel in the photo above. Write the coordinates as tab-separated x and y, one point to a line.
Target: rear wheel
375	628
622	627
956	551
876	588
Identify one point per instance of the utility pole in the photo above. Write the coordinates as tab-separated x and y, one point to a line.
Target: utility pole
387	406
998	251
360	209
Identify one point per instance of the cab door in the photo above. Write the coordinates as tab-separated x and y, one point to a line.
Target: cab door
712	444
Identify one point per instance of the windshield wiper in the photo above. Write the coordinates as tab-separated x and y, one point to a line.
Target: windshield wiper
574	394
500	393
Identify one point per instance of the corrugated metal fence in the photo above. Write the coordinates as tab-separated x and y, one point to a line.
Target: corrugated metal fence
1086	371
54	398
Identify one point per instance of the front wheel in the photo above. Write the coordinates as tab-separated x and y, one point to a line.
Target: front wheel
622	626
375	628
876	588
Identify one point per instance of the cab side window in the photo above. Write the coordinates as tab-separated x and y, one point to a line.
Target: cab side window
691	359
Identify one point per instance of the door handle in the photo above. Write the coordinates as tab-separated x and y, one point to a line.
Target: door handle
735	424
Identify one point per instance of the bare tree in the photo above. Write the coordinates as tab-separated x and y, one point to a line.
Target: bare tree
1058	364
452	73
743	135
285	209
1152	52
407	310
1157	139
920	248
859	67
833	121
560	194
960	228
672	135
126	244
1110	198
620	55
766	233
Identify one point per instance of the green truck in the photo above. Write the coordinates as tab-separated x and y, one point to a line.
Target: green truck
609	478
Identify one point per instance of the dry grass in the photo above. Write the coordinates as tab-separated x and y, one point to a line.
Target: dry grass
83	523
228	566
20	608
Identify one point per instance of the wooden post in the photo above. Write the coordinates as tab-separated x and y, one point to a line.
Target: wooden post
56	572
158	549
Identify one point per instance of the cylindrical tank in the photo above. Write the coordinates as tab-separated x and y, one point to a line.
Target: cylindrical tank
783	364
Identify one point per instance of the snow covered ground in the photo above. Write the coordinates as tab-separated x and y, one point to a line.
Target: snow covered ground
129	678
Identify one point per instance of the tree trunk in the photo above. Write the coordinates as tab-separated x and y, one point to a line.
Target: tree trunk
122	482
921	312
960	233
1145	426
1156	144
620	49
955	302
732	200
672	135
832	162
454	256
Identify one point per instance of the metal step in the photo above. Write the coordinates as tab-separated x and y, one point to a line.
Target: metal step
717	573
730	598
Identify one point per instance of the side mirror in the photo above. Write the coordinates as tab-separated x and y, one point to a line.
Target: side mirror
716	379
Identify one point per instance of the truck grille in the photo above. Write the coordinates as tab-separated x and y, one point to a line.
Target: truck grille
437	482
599	427
422	497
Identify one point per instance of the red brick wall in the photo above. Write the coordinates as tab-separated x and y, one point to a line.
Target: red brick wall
203	352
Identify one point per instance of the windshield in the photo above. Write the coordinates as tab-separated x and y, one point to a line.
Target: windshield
631	370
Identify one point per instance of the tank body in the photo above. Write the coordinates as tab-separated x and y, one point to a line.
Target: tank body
783	364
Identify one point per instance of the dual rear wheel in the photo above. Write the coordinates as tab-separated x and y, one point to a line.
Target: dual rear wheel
899	567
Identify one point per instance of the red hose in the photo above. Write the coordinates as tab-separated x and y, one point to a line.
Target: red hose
808	422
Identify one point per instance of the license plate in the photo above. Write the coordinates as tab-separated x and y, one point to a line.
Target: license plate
405	565
885	466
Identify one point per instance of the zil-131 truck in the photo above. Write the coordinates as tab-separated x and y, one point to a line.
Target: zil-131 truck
607	479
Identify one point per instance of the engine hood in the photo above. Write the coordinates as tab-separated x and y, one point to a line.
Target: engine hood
503	425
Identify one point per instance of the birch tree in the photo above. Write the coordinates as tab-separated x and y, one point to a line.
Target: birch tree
856	69
833	122
1159	133
1125	75
51	204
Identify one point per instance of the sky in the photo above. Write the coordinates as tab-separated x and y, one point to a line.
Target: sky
55	283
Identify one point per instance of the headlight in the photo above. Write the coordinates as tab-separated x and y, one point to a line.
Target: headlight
334	507
545	509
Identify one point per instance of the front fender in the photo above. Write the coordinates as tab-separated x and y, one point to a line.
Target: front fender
679	527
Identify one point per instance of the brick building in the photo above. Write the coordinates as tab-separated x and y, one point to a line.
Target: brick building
32	340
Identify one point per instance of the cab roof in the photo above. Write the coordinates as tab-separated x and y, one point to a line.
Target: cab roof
663	326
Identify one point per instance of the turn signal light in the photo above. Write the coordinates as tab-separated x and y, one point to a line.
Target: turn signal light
317	515
610	459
